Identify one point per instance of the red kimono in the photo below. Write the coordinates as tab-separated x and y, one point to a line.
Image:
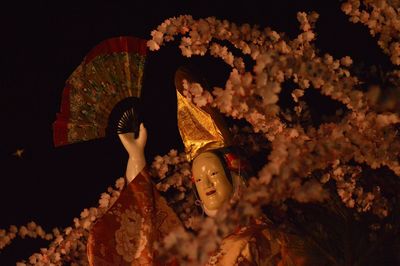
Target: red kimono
126	233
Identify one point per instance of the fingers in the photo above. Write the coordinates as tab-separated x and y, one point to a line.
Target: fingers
130	143
142	138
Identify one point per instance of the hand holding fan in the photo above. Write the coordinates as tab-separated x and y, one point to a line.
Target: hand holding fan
102	94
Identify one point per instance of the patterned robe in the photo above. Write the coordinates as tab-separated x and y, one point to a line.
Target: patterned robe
125	234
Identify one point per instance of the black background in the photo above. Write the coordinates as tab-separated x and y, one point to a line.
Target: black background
43	42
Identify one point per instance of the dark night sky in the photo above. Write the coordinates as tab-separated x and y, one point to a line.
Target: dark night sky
41	45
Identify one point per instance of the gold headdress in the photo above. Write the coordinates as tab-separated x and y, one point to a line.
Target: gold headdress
201	129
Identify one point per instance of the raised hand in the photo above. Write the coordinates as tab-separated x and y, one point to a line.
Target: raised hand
135	149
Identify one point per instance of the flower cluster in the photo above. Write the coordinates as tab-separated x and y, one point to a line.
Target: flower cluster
67	245
382	19
352	194
295	153
31	230
194	92
197	248
172	175
361	136
171	170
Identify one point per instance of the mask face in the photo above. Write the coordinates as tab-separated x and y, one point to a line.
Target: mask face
211	182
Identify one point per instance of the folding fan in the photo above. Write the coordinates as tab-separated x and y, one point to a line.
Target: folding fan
107	83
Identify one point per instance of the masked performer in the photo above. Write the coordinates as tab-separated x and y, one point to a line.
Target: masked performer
125	235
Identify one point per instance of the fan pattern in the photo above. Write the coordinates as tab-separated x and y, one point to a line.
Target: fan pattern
111	72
